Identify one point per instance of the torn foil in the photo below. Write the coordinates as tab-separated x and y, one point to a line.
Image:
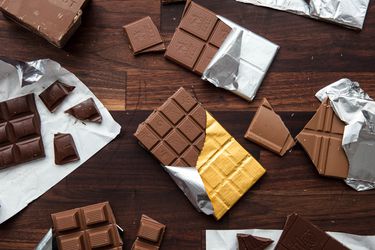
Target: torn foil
189	181
354	107
242	62
348	13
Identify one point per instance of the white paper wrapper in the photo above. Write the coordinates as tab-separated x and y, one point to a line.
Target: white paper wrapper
227	239
349	13
242	62
24	183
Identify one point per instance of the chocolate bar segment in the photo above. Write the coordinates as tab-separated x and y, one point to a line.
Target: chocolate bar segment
150	234
55	94
300	233
172	1
250	242
197	39
86	111
56	21
322	138
90	227
20	131
65	149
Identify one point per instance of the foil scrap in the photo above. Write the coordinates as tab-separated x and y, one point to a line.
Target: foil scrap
348	13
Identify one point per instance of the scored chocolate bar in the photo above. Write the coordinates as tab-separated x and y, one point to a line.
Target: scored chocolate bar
150	234
55	94
20	132
90	227
197	38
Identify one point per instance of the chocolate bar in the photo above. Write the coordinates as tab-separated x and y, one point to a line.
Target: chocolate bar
268	130
182	133
86	111
300	233
55	94
20	132
250	242
197	38
56	21
90	227
150	234
322	138
65	149
144	36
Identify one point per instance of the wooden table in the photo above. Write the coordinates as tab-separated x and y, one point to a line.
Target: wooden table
313	54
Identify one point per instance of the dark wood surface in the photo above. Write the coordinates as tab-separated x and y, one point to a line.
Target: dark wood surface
313	54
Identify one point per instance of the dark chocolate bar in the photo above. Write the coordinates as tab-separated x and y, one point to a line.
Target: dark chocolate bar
150	234
55	94
86	111
65	149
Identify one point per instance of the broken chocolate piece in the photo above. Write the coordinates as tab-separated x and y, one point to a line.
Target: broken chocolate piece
86	111
300	233
144	36
55	94
250	242
150	234
322	139
65	149
268	130
172	1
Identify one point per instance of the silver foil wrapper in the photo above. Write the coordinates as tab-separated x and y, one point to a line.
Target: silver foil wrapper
242	62
354	107
348	13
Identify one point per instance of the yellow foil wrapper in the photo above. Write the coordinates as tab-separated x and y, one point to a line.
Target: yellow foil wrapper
226	168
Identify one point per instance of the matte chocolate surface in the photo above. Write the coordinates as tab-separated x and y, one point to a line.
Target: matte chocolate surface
197	38
86	111
90	227
65	149
268	130
150	234
144	36
250	242
172	1
55	94
174	132
322	139
55	20
20	132
300	233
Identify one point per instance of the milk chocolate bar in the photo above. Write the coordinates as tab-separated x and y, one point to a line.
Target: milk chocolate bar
322	138
20	132
55	94
250	242
86	111
90	227
300	233
150	234
65	149
56	21
197	38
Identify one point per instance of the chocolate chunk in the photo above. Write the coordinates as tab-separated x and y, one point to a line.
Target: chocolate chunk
150	234
197	38
300	233
86	111
55	94
268	130
174	132
89	227
56	21
65	149
250	242
144	36
20	133
172	1
322	138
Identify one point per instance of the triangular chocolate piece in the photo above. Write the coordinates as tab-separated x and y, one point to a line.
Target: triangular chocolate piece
86	111
268	130
250	242
322	138
55	94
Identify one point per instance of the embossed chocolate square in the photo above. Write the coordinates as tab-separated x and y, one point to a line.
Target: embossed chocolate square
65	149
55	94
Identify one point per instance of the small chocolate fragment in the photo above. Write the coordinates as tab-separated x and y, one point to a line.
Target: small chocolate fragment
172	1
55	94
250	242
144	36
86	111
322	139
268	130
56	21
65	149
20	132
150	234
300	233
90	227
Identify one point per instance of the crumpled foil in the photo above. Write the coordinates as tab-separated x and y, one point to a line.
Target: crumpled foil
354	107
190	182
242	62
349	13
